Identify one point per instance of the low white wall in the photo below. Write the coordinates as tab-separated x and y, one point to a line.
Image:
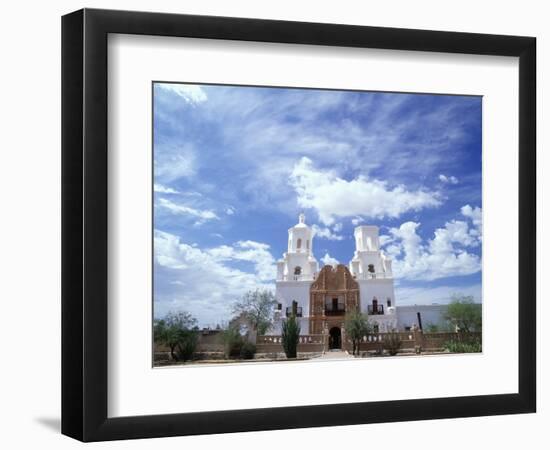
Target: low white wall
430	314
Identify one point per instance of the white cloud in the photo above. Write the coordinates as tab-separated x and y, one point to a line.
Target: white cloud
332	196
202	281
176	208
328	260
327	233
230	210
449	180
164	189
190	93
475	215
266	131
357	220
444	255
251	251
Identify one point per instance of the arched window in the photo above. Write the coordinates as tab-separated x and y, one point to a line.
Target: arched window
389	302
299	244
371	268
307	244
297	270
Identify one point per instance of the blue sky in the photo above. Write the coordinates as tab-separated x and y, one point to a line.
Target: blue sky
234	166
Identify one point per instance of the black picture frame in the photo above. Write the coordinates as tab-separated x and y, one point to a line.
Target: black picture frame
84	224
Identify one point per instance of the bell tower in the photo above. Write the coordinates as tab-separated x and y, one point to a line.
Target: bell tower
298	262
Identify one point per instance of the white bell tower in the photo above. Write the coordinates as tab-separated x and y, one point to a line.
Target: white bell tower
295	273
298	262
373	272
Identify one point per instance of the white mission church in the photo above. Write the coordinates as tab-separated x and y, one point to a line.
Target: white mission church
320	298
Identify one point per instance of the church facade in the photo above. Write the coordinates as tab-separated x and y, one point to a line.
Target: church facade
320	298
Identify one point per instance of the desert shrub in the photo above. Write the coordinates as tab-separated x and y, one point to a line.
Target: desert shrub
392	343
248	350
464	346
235	349
232	341
431	328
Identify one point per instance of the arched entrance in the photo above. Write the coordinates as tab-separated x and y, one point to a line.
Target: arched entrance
335	338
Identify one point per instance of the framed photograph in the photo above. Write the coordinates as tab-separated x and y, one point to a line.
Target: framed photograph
272	224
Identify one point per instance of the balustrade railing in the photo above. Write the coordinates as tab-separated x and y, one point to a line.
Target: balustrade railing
303	339
380	337
376	309
297	312
301	277
409	339
335	310
373	275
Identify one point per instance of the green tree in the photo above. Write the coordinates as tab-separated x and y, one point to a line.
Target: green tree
290	336
187	344
357	326
159	330
167	335
179	332
464	314
258	308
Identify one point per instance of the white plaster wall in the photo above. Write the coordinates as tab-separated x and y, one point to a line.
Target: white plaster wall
373	258
386	322
276	329
298	259
287	291
379	288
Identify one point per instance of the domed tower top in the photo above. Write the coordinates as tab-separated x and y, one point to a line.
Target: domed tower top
300	237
